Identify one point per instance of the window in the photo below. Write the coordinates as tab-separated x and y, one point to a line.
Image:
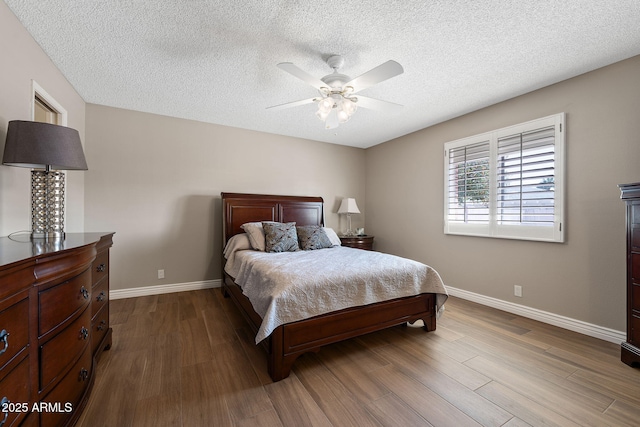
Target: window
508	183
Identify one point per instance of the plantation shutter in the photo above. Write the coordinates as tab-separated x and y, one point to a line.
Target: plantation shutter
507	183
468	183
526	178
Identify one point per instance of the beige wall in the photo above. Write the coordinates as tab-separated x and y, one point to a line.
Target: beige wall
23	61
156	181
584	278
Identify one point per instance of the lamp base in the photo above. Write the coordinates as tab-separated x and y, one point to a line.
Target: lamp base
47	204
349	232
48	236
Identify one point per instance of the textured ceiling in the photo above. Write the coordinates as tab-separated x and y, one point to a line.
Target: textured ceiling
215	61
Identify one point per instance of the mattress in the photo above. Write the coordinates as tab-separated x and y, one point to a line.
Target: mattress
291	286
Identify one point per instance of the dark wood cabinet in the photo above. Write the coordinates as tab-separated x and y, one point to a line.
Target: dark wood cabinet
100	329
359	242
53	296
630	353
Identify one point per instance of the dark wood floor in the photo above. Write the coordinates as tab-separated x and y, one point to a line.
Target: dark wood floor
187	359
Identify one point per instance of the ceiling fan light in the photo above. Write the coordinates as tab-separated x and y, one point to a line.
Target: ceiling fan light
332	121
322	115
349	106
325	105
337	101
343	116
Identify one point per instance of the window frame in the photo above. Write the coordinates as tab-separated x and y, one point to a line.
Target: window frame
552	233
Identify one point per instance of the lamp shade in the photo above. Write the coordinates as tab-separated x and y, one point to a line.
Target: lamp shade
348	206
38	145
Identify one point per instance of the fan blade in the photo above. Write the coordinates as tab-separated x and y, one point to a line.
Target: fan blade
376	104
302	75
379	74
291	104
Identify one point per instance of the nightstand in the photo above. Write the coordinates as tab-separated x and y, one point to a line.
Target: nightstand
359	242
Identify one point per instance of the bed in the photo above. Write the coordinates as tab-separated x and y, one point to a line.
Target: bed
286	342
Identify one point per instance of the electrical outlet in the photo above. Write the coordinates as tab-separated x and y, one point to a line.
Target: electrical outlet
160	274
517	290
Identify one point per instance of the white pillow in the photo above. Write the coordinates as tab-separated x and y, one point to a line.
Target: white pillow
256	235
239	242
333	237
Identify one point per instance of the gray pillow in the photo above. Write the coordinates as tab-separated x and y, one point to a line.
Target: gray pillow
280	237
312	237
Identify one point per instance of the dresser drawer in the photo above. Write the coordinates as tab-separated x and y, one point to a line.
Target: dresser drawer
100	267
15	388
69	391
357	242
634	268
60	351
60	302
634	238
14	331
15	279
634	328
100	326
99	296
635	296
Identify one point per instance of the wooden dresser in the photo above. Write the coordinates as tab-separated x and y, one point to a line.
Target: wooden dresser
54	324
630	353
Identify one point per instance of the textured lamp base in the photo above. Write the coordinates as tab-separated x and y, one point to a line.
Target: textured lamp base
47	204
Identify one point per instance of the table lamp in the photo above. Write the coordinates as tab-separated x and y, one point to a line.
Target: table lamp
349	207
47	149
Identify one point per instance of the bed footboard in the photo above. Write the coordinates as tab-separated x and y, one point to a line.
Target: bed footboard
288	342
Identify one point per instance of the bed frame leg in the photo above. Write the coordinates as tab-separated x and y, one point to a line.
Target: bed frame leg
429	323
280	373
278	367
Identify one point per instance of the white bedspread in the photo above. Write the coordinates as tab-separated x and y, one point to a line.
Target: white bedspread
291	286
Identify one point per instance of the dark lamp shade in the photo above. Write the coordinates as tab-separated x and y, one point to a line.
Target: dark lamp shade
38	145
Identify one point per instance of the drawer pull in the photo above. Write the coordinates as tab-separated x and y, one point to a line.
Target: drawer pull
4	402
101	296
4	336
84	292
101	326
101	268
84	374
84	333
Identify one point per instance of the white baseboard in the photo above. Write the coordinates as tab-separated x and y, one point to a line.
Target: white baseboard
579	326
163	289
531	313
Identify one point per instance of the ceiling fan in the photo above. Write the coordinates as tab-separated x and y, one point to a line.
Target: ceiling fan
337	101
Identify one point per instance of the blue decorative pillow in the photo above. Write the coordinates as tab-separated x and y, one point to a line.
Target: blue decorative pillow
280	236
312	237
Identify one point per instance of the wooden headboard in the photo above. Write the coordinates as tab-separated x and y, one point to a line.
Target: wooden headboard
239	208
